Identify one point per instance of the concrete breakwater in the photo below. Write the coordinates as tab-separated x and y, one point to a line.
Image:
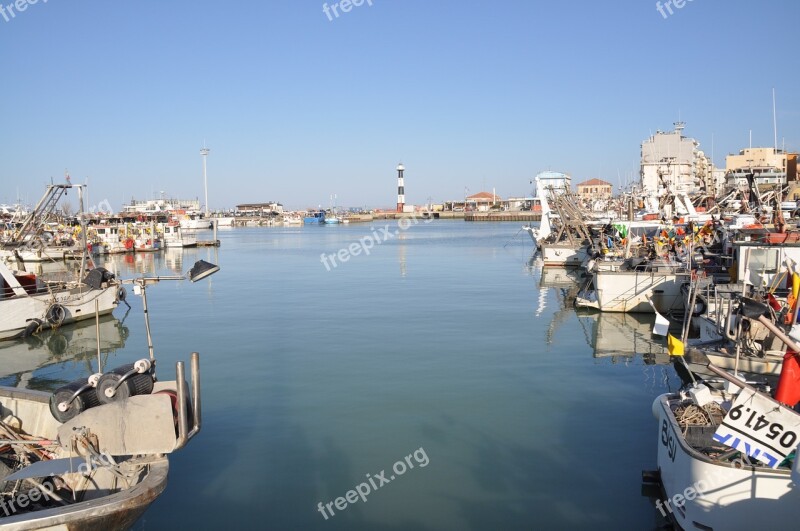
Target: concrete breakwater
376	216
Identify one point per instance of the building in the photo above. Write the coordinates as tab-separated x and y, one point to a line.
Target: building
162	206
482	201
594	189
259	209
671	162
757	158
769	167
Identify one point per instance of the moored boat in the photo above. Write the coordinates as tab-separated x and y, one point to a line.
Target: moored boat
314	218
28	304
706	484
176	236
630	285
86	473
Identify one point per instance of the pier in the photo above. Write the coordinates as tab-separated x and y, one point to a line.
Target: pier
513	215
214	241
503	216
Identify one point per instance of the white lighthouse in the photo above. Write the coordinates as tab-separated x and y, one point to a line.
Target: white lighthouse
401	188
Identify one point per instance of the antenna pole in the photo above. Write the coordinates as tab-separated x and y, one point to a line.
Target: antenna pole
204	154
774	120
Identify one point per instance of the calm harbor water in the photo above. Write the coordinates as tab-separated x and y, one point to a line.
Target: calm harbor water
446	340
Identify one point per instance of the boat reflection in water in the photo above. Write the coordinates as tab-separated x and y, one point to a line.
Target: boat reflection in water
620	337
131	264
623	336
47	360
173	259
565	283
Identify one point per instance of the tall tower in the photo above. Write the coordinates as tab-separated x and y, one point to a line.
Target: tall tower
204	154
401	188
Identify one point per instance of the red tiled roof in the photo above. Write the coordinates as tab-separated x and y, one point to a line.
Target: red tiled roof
594	182
486	196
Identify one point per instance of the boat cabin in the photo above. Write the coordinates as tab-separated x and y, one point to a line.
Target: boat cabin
16	283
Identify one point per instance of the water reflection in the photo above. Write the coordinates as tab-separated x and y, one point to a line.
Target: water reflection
36	362
565	284
623	336
617	336
173	259
131	264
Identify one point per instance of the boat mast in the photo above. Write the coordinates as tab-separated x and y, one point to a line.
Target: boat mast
774	120
84	243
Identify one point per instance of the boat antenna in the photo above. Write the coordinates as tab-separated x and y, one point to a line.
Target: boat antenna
774	120
84	243
97	331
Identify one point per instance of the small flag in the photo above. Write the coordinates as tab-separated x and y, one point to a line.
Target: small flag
674	346
661	326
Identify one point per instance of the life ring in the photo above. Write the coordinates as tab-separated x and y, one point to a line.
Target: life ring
33	327
55	315
121	294
57	344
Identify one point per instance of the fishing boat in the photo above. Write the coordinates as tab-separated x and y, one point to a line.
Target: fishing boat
760	270
562	238
29	304
111	239
709	485
175	236
314	218
727	457
629	286
94	453
332	218
194	221
87	473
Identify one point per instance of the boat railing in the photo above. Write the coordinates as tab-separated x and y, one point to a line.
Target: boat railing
184	433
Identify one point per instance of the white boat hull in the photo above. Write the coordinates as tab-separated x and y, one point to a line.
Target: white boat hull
46	254
16	313
730	498
563	255
176	237
196	224
630	291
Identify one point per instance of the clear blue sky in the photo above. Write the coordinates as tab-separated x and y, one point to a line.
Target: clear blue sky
296	107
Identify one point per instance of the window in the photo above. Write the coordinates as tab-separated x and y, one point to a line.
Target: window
763	261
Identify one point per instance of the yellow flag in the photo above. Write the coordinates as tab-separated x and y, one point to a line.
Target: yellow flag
674	346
